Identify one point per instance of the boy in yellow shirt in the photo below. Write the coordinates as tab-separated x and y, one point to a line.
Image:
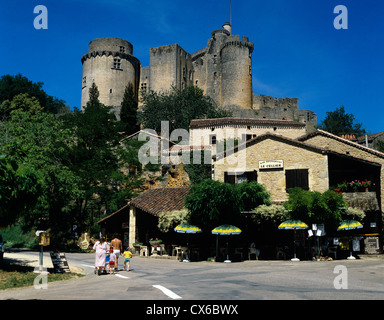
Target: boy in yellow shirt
127	257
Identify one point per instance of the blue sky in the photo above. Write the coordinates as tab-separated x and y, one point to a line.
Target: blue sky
298	52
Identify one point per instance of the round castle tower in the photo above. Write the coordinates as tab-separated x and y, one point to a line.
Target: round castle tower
111	65
236	84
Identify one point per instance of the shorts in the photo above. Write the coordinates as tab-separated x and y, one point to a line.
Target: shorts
116	252
111	263
127	260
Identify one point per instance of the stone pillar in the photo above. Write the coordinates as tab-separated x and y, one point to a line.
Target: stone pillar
132	226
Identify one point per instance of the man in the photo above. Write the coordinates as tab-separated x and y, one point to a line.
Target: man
117	249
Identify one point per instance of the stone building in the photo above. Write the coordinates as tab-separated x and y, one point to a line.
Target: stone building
222	69
343	146
210	131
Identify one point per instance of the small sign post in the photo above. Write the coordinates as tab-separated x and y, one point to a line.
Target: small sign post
60	262
44	240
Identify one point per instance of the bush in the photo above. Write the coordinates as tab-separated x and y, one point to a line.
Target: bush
315	207
274	213
17	238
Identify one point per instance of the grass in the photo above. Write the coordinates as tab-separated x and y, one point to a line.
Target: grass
17	276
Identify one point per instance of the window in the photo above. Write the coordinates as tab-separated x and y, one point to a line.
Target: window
116	63
144	87
212	139
110	90
296	178
233	177
122	49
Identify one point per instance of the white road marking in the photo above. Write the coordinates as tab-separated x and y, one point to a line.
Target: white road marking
87	265
168	292
120	276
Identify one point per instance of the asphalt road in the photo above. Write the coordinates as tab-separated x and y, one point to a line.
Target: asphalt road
171	280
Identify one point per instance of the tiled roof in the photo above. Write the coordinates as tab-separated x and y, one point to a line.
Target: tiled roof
327	134
155	201
202	123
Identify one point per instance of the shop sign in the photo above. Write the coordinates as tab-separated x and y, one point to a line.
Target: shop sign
271	164
60	262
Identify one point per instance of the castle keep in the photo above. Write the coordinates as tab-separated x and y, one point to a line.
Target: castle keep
223	70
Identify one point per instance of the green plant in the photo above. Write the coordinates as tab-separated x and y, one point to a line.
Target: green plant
170	219
274	213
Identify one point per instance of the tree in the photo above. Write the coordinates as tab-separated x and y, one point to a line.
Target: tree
97	159
19	188
315	207
252	194
11	86
338	122
22	101
178	107
213	202
44	144
128	112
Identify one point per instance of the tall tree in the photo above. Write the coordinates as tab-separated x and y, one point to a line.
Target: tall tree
97	159
178	107
339	122
44	144
11	86
128	112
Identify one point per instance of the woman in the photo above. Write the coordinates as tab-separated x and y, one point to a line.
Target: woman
101	248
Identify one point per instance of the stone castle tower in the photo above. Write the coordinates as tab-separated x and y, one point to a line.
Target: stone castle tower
223	70
111	65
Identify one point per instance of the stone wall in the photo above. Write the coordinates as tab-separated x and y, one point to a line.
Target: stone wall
293	156
366	201
352	149
170	66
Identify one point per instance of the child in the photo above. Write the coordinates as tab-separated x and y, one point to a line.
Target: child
127	255
112	259
107	266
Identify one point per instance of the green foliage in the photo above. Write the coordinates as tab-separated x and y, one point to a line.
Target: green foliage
338	122
19	187
44	142
178	107
273	213
170	219
211	202
11	86
22	102
97	159
198	172
252	194
128	112
16	237
315	207
357	214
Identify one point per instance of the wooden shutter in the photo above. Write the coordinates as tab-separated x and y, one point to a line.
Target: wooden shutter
297	178
229	178
251	175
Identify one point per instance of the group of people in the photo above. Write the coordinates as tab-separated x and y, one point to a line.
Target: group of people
103	250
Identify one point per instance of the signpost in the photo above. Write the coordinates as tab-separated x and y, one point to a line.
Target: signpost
60	262
44	240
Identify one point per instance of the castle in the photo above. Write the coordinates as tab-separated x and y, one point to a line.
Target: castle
223	70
